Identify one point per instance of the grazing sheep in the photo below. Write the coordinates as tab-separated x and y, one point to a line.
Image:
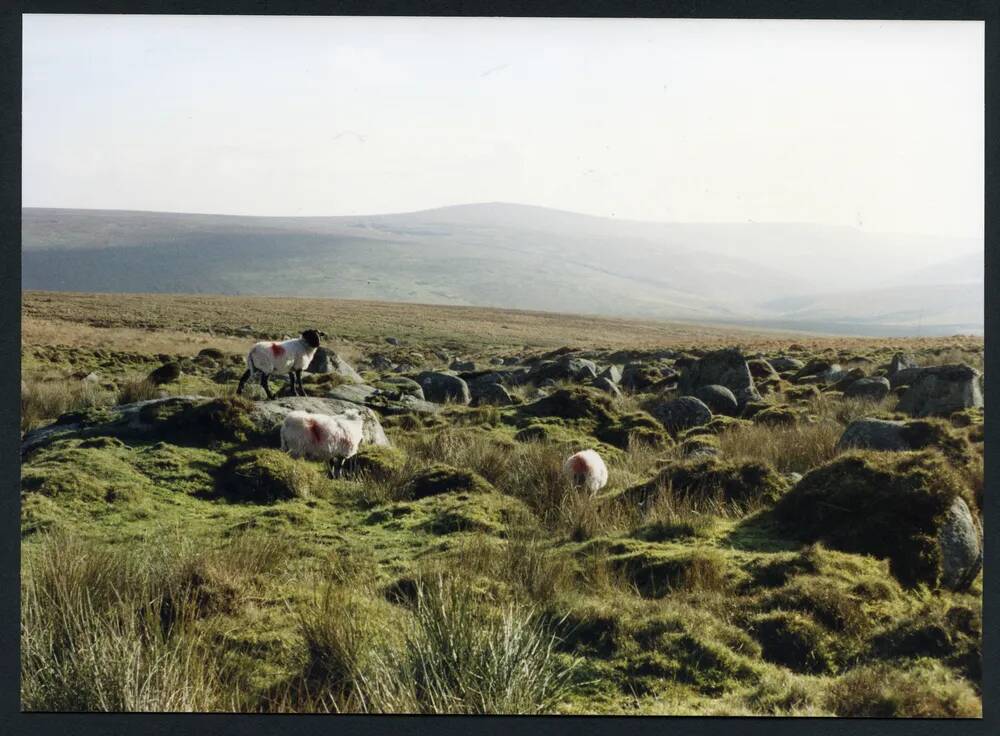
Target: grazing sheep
587	469
279	358
332	439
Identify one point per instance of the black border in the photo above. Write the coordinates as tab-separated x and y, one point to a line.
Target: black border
14	722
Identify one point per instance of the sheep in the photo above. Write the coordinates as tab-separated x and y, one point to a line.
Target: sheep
587	469
279	358
333	439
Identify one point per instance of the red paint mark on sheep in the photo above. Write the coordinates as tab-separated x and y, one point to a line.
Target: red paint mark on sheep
579	465
277	350
315	430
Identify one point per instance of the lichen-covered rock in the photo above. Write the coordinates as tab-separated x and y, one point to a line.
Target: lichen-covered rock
961	543
327	361
872	389
719	399
639	376
442	387
901	361
941	390
784	363
491	393
873	434
889	505
761	369
683	413
914	434
607	386
613	373
725	367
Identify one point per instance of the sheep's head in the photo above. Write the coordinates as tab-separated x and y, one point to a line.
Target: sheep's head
311	337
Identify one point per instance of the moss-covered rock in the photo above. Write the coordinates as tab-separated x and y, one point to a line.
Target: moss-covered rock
890	505
573	403
441	478
65	470
633	427
780	415
265	476
378	462
749	482
183	421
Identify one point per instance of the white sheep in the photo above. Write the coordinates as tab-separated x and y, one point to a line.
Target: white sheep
587	469
332	439
279	358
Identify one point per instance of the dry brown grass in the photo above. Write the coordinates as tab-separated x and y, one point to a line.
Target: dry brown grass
792	449
193	317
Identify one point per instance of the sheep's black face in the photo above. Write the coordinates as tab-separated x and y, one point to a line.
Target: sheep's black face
311	337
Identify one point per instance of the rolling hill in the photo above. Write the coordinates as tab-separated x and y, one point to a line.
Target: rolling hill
789	275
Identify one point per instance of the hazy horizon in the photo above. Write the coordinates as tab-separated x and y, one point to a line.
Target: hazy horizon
873	125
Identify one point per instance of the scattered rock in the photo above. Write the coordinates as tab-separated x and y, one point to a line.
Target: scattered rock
167	373
901	361
941	390
613	373
607	385
442	387
784	363
961	543
719	399
725	367
327	361
873	389
491	393
683	413
392	340
639	376
873	434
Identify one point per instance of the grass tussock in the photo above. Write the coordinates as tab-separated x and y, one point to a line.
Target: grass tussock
103	629
43	401
448	654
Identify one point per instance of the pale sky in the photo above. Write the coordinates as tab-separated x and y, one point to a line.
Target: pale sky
874	124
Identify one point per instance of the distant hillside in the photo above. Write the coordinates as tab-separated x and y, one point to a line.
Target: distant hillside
506	255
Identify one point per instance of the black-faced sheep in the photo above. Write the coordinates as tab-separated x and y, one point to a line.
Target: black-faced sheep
279	358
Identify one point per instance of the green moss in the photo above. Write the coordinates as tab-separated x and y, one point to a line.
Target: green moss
264	476
656	571
441	478
378	462
573	403
777	416
183	469
950	633
795	641
801	394
710	478
637	426
939	434
217	420
884	504
66	470
450	513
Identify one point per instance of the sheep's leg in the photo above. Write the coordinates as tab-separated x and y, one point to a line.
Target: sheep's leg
243	381
302	389
265	386
329	470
